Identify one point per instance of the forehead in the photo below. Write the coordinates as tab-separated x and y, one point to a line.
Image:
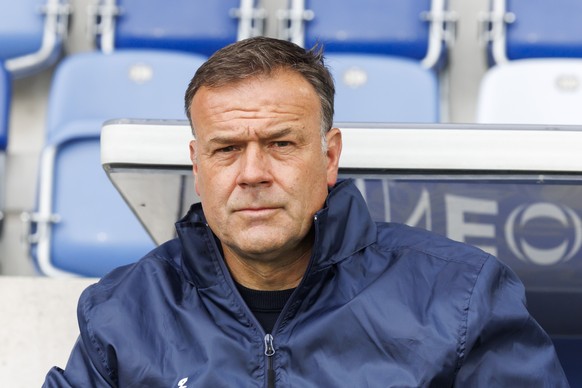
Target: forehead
260	106
283	91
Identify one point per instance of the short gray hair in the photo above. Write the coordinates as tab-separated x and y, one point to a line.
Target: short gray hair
258	56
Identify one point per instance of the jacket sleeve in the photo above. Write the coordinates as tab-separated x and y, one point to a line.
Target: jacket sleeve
88	363
503	345
79	372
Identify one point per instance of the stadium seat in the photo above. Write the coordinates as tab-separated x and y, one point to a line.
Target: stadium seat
519	29
186	25
82	225
5	98
379	88
403	28
532	91
32	33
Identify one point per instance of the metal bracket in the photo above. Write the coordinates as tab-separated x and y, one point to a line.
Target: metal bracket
251	20
290	24
32	218
101	23
56	26
491	24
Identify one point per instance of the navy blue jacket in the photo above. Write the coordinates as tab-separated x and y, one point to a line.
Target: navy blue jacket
381	305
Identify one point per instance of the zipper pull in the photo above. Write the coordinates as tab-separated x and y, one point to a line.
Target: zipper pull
270	352
269	348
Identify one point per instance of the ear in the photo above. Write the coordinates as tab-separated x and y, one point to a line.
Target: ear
334	150
194	160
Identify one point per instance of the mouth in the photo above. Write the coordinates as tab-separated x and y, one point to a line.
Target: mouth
257	211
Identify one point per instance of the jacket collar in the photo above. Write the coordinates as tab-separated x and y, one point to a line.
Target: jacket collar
342	227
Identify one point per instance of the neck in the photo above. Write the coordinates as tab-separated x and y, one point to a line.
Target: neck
268	275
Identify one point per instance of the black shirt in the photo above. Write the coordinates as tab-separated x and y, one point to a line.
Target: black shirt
265	305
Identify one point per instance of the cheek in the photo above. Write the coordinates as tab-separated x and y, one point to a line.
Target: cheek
312	190
201	183
213	187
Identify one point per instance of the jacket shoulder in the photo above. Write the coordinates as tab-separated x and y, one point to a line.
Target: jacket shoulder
157	270
114	310
399	237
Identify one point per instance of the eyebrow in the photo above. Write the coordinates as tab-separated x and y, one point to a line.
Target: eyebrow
227	139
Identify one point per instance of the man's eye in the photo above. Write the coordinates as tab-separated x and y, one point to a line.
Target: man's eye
226	149
282	143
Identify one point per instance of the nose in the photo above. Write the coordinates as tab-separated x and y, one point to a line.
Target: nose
254	167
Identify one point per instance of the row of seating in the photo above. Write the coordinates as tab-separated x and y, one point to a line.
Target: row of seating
409	48
522	29
33	31
148	53
418	31
534	50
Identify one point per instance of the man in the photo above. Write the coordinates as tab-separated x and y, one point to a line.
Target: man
280	278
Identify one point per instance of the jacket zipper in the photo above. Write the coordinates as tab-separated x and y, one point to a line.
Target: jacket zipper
268	339
270	352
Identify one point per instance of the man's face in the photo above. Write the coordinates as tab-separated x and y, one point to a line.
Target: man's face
258	163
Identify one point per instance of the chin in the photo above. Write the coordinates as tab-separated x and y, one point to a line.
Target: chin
262	249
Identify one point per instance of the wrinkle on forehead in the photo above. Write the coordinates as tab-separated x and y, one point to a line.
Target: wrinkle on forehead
256	102
240	119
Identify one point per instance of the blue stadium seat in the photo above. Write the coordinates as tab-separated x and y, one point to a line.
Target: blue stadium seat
5	98
532	91
82	225
379	88
521	29
404	28
198	26
32	33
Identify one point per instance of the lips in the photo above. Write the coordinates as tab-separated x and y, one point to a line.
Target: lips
258	211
